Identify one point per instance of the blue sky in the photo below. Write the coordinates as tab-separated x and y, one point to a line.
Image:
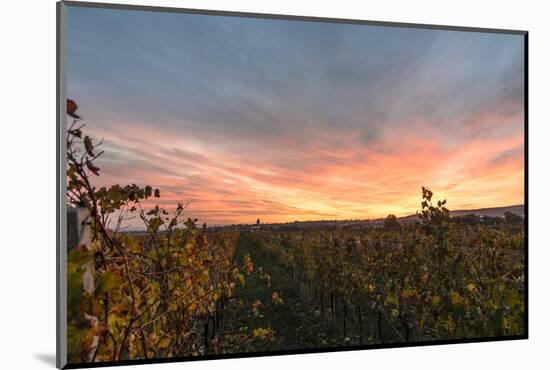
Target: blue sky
287	111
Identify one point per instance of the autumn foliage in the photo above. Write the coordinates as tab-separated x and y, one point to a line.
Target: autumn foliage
163	292
431	280
140	295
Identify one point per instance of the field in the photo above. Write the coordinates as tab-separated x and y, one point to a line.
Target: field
346	287
306	289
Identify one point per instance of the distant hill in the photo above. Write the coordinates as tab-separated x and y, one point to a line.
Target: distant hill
491	212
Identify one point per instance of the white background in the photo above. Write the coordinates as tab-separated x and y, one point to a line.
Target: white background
27	145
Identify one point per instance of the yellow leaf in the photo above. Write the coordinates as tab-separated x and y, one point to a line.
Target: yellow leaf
394	313
203	276
164	342
201	292
407	293
241	279
455	298
277	299
260	332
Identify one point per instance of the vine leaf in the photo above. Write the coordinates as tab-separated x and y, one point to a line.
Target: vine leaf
71	109
89	146
92	168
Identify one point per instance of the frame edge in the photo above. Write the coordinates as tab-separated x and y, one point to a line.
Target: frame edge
61	234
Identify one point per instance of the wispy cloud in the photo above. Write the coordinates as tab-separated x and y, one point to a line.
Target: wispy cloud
288	120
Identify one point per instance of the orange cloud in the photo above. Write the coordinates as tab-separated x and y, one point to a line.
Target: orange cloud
277	184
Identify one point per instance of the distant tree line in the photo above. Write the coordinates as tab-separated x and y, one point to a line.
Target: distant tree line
474	219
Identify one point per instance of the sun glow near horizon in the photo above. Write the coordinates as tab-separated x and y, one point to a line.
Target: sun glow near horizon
360	184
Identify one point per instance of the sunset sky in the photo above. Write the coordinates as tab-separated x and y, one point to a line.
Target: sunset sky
284	120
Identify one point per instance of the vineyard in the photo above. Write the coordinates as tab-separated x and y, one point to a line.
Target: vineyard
180	289
431	281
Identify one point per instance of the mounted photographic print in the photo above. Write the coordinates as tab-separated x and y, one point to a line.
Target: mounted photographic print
234	185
